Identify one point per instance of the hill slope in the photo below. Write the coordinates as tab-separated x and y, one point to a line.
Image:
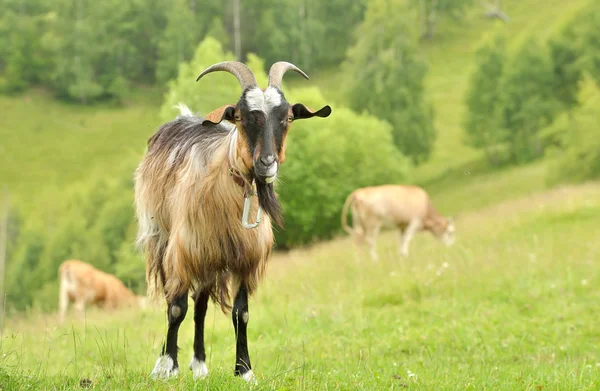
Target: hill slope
511	305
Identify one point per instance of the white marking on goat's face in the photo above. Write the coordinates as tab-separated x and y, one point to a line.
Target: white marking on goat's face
272	98
164	368
199	368
245	317
265	101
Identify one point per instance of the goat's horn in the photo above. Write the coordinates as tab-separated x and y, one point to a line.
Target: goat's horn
240	70
279	69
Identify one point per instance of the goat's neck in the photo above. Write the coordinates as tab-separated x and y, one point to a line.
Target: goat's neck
234	159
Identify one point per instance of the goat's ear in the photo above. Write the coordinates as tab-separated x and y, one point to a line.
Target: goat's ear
222	113
302	112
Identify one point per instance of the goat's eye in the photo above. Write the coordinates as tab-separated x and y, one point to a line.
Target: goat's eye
290	118
238	117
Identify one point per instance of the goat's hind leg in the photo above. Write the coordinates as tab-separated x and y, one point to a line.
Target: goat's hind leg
198	363
167	365
240	323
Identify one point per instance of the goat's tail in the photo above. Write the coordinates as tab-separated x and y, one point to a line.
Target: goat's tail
349	201
155	272
221	294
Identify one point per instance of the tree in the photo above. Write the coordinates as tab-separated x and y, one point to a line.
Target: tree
483	99
527	103
429	9
385	76
591	40
207	95
565	53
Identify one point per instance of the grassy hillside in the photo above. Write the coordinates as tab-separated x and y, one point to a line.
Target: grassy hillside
512	305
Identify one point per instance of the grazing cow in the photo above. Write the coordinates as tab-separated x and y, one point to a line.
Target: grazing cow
405	207
83	284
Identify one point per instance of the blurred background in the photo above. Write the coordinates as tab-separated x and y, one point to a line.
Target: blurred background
477	101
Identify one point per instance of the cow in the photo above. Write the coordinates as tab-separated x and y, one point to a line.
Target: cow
405	207
85	285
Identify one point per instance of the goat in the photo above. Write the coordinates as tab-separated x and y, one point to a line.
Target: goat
83	284
408	208
188	192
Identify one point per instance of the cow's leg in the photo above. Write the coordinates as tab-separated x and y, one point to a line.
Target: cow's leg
198	363
167	365
80	307
401	233
371	239
240	316
410	232
63	302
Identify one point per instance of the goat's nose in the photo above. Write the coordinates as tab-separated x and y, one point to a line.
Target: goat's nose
267	160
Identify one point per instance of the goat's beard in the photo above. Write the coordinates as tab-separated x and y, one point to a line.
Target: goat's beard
267	199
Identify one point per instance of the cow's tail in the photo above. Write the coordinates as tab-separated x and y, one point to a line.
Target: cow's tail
349	201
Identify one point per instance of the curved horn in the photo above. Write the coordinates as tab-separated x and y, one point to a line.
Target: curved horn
240	70
279	69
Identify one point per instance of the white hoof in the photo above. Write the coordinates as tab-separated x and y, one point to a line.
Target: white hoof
163	369
199	369
249	377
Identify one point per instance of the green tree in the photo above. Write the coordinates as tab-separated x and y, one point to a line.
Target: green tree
528	100
591	39
565	54
22	58
386	78
483	99
207	95
429	11
176	44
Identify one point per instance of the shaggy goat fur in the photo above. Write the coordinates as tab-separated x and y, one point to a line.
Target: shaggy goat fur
189	212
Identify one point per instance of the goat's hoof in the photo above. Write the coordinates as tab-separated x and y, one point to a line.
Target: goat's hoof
164	368
249	377
199	369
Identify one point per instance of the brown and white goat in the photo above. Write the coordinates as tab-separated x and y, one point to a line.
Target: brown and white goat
83	284
405	207
189	190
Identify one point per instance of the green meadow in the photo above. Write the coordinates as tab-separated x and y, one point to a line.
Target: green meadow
512	305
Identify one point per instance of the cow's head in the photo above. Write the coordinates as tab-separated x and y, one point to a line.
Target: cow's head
448	237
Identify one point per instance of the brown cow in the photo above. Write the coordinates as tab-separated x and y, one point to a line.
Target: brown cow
83	284
405	207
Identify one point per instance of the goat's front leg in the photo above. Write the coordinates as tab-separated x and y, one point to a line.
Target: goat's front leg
167	365
240	323
198	363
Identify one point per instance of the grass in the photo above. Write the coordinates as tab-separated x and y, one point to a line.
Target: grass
46	143
512	305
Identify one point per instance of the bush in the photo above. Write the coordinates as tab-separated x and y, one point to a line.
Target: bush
211	92
328	159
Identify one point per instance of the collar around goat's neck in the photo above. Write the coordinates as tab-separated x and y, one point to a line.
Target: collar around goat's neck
242	180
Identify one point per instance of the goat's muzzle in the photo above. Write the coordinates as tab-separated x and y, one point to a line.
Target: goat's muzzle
266	168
